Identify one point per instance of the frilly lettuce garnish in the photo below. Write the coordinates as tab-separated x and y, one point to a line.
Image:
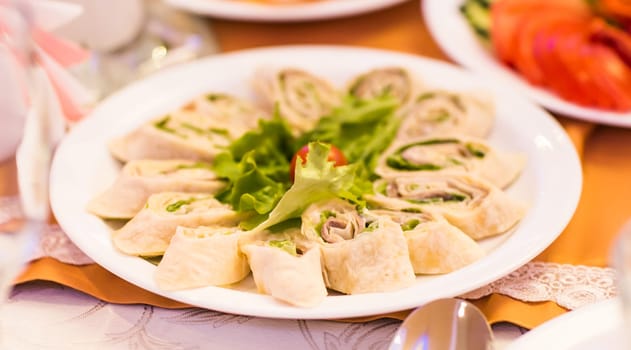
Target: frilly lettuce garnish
256	166
285	245
362	129
315	180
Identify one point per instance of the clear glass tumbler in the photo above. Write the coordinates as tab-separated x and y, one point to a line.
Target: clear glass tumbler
131	39
24	140
621	260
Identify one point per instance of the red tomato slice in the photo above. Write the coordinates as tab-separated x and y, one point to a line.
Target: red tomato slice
610	74
613	37
571	47
618	9
555	74
508	16
573	7
335	155
521	56
503	30
563	46
560	68
538	27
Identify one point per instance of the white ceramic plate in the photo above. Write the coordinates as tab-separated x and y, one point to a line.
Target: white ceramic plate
454	35
243	10
597	326
550	183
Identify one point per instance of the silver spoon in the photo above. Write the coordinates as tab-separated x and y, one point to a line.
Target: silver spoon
444	324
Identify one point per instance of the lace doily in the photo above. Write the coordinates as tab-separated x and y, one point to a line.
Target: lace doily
52	242
570	286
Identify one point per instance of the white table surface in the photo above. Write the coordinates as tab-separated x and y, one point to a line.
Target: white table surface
42	315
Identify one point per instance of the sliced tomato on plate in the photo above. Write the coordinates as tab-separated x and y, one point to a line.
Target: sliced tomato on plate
539	29
335	155
601	78
569	49
508	16
615	38
610	74
559	69
563	46
503	29
523	59
617	9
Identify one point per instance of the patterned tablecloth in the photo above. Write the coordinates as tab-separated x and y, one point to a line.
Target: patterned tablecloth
43	315
68	319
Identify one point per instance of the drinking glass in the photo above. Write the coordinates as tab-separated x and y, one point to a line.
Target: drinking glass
24	139
621	259
130	39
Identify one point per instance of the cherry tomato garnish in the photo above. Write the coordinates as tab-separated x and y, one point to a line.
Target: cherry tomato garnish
335	155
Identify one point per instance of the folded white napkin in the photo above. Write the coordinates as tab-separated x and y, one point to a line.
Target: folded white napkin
12	107
52	55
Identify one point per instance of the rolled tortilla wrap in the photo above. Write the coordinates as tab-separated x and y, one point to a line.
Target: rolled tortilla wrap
331	221
392	81
435	246
448	154
475	206
301	97
202	256
286	272
182	134
149	232
141	178
374	260
234	114
439	112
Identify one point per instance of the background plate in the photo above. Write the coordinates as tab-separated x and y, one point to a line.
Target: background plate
596	326
454	35
550	184
243	10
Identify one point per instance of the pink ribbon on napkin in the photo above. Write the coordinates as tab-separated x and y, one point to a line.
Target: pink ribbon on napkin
54	55
62	51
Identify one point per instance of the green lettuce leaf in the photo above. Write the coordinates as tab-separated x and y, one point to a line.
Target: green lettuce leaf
361	129
256	167
269	147
315	180
285	245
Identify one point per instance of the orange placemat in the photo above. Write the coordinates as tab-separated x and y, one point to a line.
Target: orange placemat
94	280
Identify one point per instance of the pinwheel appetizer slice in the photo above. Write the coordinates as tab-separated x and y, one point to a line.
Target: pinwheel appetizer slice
438	112
358	256
180	135
473	205
202	256
393	81
301	97
448	154
332	221
141	178
434	244
236	115
151	230
285	271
